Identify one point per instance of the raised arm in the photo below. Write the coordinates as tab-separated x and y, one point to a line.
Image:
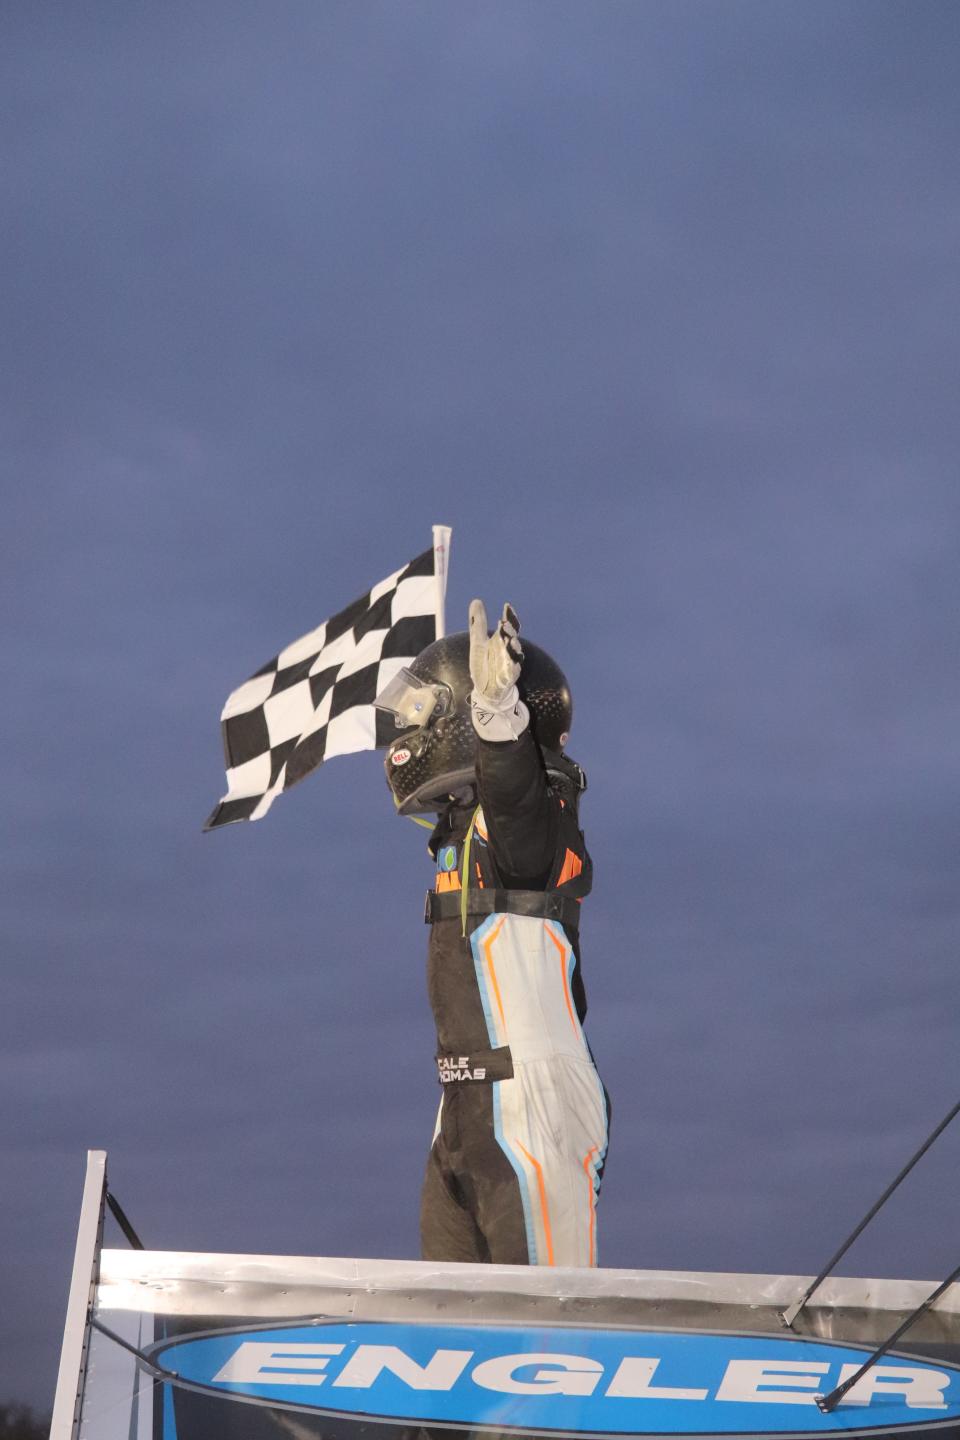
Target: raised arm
520	810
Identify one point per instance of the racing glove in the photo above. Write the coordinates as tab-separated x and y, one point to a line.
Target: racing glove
495	705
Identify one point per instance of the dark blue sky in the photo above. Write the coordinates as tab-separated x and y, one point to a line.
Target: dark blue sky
656	305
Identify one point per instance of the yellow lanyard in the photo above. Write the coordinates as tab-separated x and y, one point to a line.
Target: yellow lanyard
465	872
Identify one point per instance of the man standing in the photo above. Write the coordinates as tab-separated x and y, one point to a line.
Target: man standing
514	1170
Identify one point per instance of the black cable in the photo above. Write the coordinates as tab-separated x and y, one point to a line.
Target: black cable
792	1311
828	1402
133	1239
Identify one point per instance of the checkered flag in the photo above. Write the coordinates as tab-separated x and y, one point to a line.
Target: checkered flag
315	699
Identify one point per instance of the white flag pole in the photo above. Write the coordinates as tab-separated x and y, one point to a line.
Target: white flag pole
441	557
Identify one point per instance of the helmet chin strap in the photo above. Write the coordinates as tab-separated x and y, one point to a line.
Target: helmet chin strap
465	797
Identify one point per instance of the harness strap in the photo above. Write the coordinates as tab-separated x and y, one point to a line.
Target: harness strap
544	904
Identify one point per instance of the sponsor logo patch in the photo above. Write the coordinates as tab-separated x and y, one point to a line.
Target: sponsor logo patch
400	757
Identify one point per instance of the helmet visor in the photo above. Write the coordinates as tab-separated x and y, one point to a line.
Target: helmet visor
413	702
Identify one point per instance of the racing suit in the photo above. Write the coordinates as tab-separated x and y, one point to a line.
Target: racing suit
514	1171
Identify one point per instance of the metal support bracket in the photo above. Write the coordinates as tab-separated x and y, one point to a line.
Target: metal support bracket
76	1331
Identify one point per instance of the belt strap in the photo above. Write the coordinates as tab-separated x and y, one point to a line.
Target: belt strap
478	1065
545	904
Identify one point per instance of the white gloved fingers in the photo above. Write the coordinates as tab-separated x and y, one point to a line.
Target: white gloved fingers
478	643
509	631
495	659
497	709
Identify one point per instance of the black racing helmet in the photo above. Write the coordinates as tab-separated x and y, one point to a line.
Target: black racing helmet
433	757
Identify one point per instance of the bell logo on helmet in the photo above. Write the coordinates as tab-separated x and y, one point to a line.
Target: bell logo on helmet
400	757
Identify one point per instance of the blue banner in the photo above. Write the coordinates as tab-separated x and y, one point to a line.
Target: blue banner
595	1381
